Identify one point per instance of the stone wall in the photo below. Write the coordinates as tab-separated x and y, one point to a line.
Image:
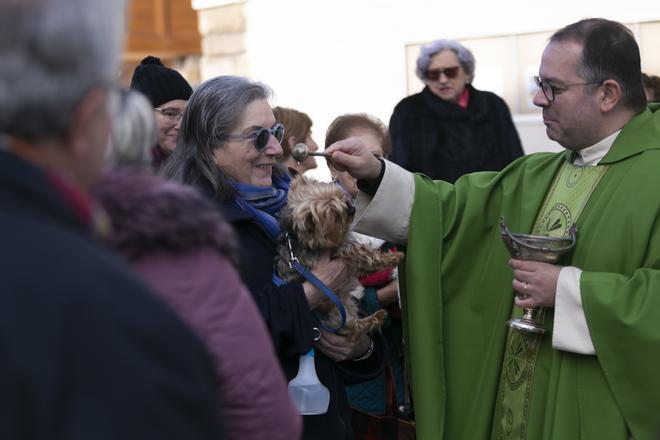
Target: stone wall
222	27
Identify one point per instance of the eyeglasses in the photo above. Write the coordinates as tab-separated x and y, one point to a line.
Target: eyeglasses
172	114
550	91
260	136
434	74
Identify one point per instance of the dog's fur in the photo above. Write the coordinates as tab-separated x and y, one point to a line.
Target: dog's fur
318	217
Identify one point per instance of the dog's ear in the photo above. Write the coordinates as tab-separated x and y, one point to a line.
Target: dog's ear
299	180
286	220
296	189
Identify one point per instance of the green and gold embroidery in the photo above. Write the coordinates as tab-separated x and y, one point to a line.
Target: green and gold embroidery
562	206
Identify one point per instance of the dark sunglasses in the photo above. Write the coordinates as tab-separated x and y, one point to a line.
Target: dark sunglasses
434	74
261	136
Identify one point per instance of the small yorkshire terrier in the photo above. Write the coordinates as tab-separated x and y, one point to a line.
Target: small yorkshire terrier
318	217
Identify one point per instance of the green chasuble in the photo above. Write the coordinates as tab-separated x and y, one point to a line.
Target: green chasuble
459	296
567	196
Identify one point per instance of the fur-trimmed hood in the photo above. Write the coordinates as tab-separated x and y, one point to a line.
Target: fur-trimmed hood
150	214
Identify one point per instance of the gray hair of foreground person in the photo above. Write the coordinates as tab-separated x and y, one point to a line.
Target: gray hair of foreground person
465	57
134	131
214	109
54	52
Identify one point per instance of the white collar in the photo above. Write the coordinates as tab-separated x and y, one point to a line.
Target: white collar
590	156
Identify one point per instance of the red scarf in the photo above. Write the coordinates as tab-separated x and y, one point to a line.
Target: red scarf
79	202
464	100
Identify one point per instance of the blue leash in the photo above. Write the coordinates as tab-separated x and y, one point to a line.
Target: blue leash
294	264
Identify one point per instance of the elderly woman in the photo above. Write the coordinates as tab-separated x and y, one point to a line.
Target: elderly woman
134	131
450	128
178	243
298	130
228	145
168	92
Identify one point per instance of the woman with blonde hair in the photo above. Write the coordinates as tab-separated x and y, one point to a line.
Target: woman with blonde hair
227	148
298	130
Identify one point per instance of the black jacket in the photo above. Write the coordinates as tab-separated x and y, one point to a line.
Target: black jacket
87	353
286	312
444	141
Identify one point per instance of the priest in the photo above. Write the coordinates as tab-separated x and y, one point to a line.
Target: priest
594	373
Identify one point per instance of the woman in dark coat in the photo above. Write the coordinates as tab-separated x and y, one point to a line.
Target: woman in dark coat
227	147
450	128
178	242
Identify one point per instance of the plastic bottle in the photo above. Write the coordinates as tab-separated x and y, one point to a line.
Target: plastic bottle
307	392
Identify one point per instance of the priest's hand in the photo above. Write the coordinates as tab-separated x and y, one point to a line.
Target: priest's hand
535	282
353	156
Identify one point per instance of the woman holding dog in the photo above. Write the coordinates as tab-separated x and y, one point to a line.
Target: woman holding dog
228	144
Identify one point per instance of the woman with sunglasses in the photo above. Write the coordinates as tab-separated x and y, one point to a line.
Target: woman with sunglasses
228	145
450	128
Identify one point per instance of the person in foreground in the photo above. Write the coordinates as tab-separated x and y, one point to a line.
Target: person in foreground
87	352
593	374
227	148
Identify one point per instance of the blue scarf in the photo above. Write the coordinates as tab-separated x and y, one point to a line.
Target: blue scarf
264	204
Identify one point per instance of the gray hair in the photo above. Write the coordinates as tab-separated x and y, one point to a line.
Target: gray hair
134	129
465	57
53	52
213	112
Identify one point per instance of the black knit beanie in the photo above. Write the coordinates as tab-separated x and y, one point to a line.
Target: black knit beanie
159	83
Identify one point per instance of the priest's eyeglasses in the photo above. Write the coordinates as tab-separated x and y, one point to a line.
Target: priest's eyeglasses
550	91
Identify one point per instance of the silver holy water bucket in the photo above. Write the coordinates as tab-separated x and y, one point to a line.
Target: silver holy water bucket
535	248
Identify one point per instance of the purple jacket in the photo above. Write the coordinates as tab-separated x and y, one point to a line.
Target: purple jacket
180	245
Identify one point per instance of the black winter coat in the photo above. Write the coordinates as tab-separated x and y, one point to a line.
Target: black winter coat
87	352
444	141
286	312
